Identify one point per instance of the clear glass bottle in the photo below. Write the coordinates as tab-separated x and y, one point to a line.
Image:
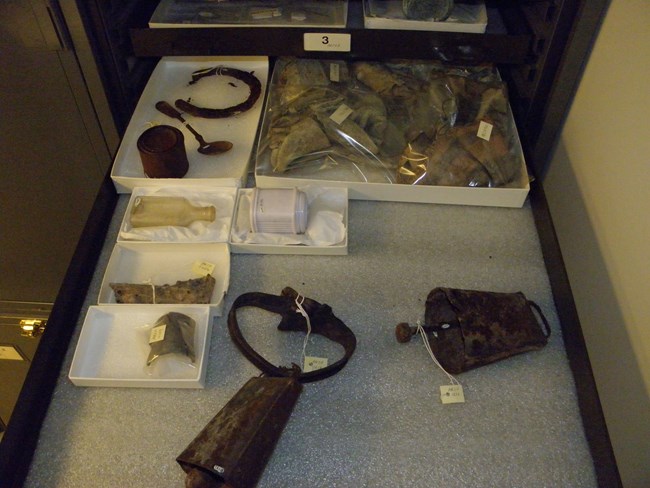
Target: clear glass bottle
154	211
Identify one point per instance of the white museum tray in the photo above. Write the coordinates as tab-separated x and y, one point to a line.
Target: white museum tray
388	14
166	263
391	192
250	13
170	81
113	348
327	227
366	178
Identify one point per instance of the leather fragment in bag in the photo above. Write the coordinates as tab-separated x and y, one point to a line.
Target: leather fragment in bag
234	447
468	328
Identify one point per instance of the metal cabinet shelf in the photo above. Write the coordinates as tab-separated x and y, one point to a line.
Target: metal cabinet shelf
508	44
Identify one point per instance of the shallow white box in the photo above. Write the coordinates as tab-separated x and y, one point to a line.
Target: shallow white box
453	195
388	14
170	81
113	347
166	263
366	177
222	198
243	13
328	208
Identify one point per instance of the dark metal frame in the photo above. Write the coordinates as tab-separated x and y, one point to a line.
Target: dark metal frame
21	435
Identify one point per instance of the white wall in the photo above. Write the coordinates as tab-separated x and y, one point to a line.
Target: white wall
598	188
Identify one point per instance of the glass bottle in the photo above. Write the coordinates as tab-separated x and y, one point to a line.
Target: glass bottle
153	211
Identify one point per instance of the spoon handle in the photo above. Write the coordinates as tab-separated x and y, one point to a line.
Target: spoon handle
168	110
196	134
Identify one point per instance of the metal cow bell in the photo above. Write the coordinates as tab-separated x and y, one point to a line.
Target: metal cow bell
233	449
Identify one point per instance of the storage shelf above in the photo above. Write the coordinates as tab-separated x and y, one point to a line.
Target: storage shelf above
499	44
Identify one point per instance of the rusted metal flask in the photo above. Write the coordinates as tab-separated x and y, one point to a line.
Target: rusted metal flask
233	449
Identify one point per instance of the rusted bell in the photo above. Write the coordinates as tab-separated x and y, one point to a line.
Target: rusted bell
233	449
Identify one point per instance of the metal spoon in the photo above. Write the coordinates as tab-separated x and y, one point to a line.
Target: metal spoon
216	147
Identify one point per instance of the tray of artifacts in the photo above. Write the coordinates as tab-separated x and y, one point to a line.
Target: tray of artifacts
412	131
298	220
427	15
178	214
167	273
250	13
157	346
194	124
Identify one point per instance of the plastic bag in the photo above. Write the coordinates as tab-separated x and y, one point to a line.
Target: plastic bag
171	342
411	122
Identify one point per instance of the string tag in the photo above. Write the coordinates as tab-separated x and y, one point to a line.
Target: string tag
484	130
453	392
312	363
335	72
309	363
202	268
157	334
341	113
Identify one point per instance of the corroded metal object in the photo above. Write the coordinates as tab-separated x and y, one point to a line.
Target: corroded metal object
466	329
207	148
254	85
162	152
232	450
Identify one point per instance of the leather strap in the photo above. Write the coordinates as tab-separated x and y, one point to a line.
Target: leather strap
541	315
250	79
322	320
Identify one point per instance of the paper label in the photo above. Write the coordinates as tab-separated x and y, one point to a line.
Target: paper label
335	72
452	394
202	268
313	363
484	130
10	353
341	113
328	42
157	334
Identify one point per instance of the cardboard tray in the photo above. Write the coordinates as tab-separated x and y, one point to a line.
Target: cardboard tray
113	347
167	263
170	81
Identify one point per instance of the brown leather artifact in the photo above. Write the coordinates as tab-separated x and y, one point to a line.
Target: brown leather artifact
234	447
254	85
469	328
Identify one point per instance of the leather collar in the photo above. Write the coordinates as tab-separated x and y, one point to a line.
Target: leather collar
322	320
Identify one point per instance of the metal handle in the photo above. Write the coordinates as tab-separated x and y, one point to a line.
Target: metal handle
168	110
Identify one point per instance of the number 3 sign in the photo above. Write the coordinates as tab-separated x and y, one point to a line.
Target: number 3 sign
327	42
